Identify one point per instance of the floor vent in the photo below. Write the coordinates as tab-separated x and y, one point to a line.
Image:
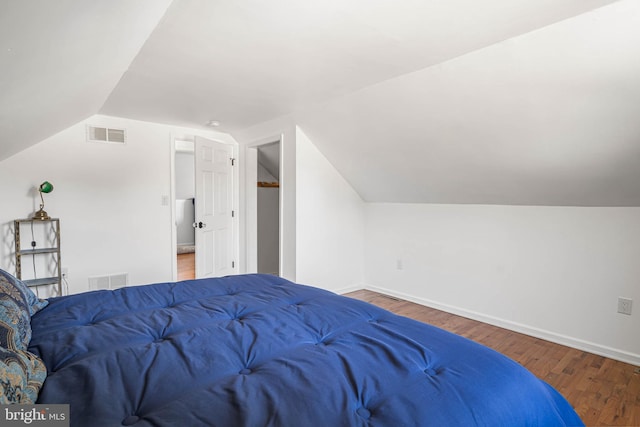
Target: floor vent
100	134
113	281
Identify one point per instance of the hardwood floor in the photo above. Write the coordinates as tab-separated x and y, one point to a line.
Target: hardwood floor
604	392
186	266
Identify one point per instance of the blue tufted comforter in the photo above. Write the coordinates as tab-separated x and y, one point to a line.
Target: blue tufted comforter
257	350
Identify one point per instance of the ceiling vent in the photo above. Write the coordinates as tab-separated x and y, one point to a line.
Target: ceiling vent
100	134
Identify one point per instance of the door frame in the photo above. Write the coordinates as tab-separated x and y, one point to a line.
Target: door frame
172	197
251	202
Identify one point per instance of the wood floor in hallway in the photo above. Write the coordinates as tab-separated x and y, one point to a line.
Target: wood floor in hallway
186	266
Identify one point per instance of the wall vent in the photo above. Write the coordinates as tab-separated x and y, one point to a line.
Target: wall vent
113	281
100	134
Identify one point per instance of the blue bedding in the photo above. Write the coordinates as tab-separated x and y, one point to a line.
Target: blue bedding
257	350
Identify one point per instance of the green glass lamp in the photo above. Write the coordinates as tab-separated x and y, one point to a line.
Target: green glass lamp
41	214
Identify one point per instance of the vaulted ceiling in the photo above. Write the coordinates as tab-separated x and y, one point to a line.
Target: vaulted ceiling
60	60
441	101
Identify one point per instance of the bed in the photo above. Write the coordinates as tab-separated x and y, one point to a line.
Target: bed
258	350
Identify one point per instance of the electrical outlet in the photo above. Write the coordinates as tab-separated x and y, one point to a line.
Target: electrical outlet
624	305
399	265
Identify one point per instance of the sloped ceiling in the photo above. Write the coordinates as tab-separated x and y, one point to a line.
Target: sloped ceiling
60	60
269	158
548	118
444	101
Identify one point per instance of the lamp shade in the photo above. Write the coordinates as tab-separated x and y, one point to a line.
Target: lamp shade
46	187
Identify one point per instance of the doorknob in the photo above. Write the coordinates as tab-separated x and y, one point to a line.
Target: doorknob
198	224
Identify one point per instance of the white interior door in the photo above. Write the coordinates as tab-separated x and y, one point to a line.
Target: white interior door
213	208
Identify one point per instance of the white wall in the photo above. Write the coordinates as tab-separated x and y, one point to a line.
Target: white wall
185	217
185	192
552	272
109	199
185	175
330	223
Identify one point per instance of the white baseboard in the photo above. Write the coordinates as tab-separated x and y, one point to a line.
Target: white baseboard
576	343
351	288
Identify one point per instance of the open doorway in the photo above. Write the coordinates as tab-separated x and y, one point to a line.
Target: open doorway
204	231
268	208
185	209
